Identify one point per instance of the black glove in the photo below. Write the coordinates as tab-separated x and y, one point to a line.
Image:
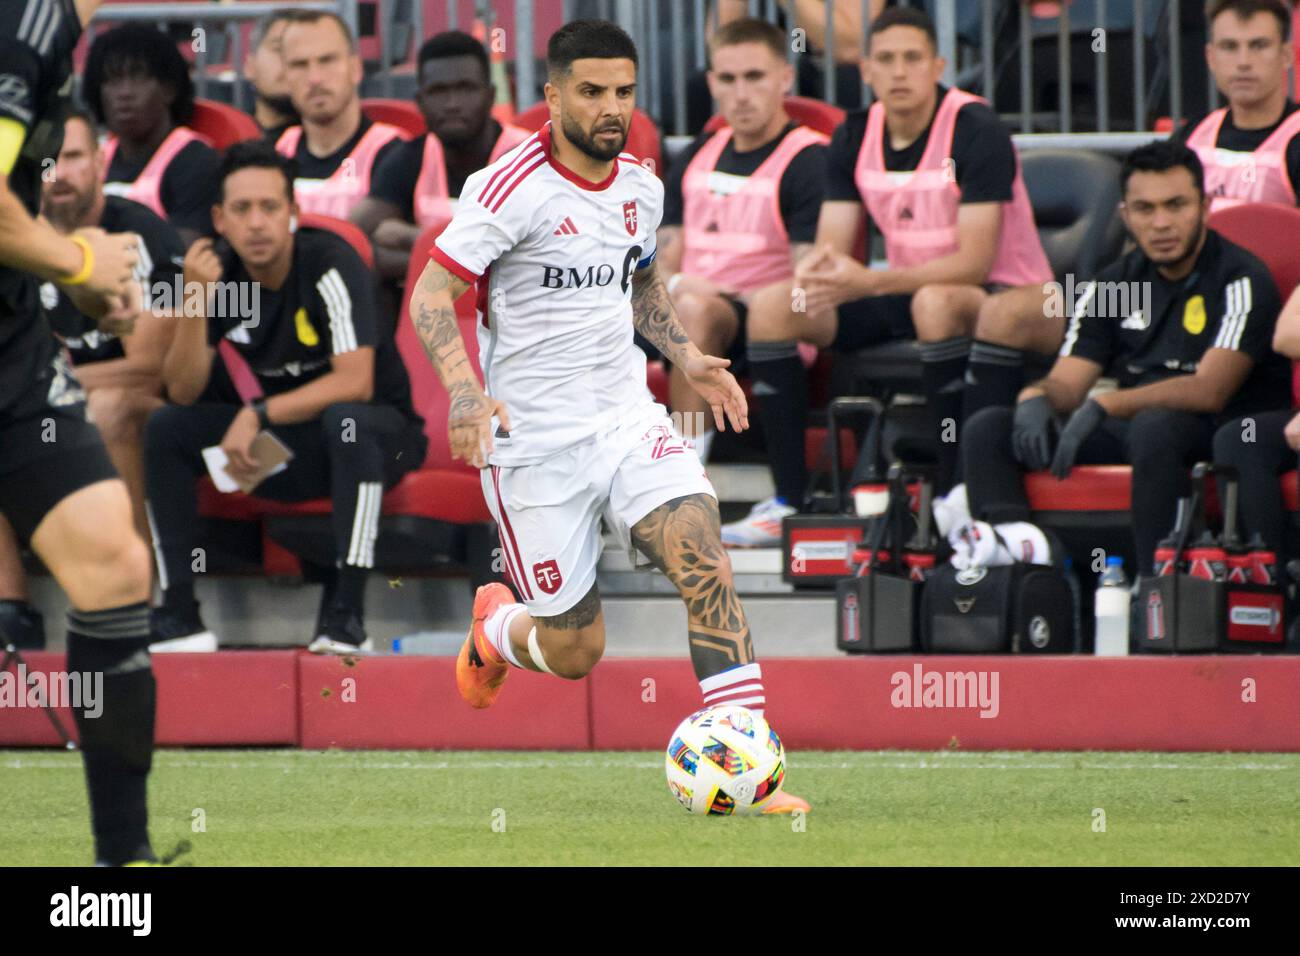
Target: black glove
1086	420
1031	440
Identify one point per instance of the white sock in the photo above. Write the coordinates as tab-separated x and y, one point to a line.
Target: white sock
742	685
702	444
975	544
497	628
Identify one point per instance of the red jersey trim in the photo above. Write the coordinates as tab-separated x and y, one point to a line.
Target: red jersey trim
451	265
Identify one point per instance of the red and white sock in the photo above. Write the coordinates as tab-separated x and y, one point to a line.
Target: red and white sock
497	629
741	685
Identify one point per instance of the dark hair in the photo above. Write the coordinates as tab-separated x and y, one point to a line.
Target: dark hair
442	46
904	17
79	112
263	26
1159	156
136	48
749	30
1245	9
256	154
315	16
587	40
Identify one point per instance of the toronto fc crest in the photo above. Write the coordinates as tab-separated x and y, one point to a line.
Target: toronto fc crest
629	217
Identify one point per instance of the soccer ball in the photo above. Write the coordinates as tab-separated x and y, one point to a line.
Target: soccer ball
724	760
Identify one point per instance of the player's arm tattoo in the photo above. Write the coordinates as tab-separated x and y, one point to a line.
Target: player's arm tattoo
653	315
580	615
683	538
434	314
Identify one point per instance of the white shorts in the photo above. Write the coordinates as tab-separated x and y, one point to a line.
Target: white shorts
548	514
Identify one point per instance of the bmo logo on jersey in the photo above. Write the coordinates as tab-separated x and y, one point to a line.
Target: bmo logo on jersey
547	575
590	277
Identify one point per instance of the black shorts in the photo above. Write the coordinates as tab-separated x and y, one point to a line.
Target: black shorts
43	459
878	319
875	320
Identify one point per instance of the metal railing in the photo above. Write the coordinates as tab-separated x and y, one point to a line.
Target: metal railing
980	39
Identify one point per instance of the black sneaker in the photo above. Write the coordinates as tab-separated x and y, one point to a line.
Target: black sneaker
21	626
340	632
174	630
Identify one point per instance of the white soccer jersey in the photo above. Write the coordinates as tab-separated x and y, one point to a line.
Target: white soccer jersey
553	255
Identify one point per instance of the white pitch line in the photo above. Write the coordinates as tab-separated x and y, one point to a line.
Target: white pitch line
163	760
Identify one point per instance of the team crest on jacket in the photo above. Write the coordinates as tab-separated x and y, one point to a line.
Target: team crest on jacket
547	576
629	216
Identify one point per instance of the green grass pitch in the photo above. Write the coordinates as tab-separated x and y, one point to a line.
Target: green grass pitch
288	807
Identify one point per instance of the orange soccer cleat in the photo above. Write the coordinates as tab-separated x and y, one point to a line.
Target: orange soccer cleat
782	802
480	670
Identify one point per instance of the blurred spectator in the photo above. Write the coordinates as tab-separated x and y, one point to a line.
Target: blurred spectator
138	85
1263	445
936	171
264	69
119	365
1251	148
740	204
336	146
335	394
1195	352
416	185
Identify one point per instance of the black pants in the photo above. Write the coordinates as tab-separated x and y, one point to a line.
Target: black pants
1159	443
1259	461
351	453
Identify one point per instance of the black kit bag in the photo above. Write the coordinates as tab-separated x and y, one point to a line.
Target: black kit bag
1017	608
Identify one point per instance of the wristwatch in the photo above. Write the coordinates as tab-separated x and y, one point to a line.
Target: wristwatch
263	421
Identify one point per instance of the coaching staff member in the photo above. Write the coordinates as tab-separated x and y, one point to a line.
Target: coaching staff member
1190	348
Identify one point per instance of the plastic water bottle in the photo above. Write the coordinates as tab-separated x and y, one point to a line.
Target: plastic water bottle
1110	604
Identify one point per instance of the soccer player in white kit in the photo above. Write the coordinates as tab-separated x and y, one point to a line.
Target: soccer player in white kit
558	239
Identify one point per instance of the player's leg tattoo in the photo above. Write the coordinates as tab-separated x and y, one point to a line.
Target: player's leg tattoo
683	538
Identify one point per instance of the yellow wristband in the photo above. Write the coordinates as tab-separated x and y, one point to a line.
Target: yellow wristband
87	262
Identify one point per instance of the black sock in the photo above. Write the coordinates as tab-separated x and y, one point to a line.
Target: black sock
943	365
350	588
994	376
116	737
781	387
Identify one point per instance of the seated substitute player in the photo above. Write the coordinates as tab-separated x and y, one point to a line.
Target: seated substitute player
264	71
337	147
937	173
62	497
138	85
1264	445
416	186
120	373
740	205
567	429
337	394
1184	322
1250	148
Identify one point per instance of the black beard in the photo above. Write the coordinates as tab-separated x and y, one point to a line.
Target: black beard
282	105
587	144
68	217
1188	250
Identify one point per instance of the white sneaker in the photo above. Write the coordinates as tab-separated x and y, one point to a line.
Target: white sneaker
761	528
205	642
328	645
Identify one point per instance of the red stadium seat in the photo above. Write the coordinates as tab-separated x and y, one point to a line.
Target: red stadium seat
403	114
642	137
222	124
815	114
1271	231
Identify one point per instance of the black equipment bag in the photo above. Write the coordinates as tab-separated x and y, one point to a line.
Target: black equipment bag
1017	608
